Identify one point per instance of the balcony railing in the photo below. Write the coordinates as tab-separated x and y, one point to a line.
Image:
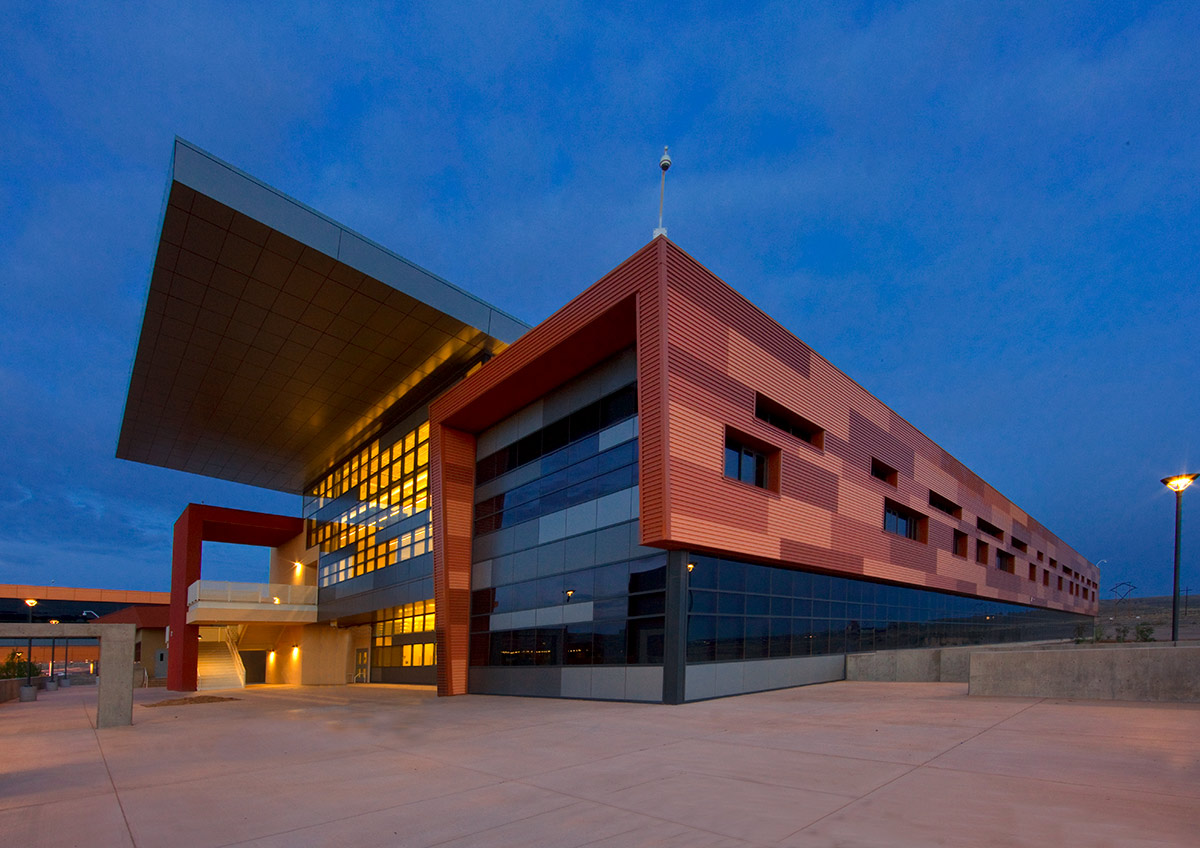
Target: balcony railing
272	594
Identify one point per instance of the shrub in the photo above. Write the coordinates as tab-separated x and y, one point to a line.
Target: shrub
1144	632
13	667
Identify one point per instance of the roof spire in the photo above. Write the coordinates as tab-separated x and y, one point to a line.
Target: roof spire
664	163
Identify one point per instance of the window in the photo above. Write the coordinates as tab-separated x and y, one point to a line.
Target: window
989	528
960	544
375	488
1006	562
1045	578
1053	562
981	552
1060	583
784	419
1019	545
944	504
746	464
884	472
1041	556
1032	571
903	521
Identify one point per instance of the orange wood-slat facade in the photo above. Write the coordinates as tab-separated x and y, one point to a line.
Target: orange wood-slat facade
704	352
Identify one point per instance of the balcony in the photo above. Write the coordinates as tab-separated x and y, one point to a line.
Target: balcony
222	602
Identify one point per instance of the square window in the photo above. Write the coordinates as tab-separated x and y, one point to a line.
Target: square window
751	462
883	471
903	521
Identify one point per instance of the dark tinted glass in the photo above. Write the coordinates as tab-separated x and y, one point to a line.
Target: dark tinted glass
577	647
645	640
730	637
609	647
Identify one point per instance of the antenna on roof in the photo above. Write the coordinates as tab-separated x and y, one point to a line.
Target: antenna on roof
664	163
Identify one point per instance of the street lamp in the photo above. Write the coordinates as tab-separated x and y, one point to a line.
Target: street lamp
1177	484
31	603
52	621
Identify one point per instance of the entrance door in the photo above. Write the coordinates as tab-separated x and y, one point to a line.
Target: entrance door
360	666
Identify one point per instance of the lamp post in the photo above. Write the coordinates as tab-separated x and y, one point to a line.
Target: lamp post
31	603
1177	484
52	621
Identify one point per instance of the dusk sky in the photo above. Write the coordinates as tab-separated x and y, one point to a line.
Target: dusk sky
988	214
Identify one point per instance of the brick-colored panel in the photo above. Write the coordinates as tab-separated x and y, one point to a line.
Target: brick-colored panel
704	354
452	483
617	312
721	353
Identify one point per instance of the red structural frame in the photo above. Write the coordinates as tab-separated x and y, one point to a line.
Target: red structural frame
704	354
198	524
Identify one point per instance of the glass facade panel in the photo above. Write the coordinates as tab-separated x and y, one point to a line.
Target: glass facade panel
403	636
345	512
625	597
739	611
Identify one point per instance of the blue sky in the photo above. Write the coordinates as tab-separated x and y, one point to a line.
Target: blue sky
988	214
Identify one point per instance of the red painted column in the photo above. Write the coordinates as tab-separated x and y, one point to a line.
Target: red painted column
184	649
452	478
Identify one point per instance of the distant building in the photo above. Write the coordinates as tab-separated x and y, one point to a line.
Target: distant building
74	605
656	494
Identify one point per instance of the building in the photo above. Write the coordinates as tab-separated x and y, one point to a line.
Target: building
68	604
656	494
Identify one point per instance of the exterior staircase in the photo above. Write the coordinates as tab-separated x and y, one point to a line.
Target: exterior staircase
218	667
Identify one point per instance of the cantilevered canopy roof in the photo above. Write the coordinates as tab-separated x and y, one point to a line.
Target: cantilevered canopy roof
275	340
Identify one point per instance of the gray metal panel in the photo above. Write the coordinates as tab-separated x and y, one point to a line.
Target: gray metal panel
223	182
576	682
533	682
504	327
375	262
644	683
608	682
715	680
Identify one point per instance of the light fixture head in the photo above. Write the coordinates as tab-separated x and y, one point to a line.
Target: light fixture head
665	161
1176	484
691	565
30	602
54	621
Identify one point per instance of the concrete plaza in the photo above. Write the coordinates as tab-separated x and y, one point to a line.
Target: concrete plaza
845	764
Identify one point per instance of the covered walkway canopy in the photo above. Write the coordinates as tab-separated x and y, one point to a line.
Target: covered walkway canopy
276	340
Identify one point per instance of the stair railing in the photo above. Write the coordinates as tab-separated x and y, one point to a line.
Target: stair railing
231	641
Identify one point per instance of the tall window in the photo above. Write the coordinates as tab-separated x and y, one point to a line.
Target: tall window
903	521
746	464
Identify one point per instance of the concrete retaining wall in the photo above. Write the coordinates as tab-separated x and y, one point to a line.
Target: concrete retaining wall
919	665
10	688
1164	672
